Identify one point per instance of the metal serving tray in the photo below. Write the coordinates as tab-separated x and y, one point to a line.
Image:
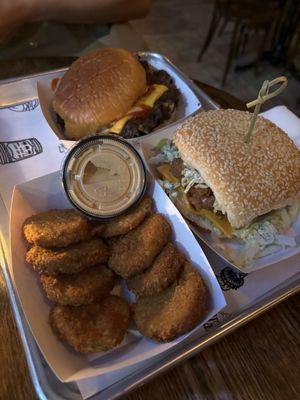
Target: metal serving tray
47	386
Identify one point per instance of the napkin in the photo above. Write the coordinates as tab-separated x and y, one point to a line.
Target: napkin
28	149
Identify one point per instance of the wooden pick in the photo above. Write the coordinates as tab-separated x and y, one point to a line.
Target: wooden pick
264	95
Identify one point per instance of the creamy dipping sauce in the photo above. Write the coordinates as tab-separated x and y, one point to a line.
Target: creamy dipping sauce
104	176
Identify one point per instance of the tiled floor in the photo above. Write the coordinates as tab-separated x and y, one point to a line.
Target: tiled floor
177	28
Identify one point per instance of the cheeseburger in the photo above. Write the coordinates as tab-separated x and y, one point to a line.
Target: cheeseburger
238	191
110	90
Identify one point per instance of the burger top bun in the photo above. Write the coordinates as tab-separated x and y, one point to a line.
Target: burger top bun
98	88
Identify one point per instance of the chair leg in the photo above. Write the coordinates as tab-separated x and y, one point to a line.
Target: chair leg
240	41
245	41
223	26
260	51
213	26
232	51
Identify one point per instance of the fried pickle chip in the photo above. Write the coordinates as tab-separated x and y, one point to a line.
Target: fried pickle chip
129	221
56	228
135	251
160	275
93	327
68	260
175	311
90	285
97	228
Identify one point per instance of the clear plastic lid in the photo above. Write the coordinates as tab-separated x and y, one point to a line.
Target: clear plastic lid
103	176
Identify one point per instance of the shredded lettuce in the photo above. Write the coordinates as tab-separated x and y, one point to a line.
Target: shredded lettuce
268	235
282	219
164	152
260	233
265	237
191	177
160	144
169	187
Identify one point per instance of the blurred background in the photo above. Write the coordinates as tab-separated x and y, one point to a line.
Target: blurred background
233	45
254	39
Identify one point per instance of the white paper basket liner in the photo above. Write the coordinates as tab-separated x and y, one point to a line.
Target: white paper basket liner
44	193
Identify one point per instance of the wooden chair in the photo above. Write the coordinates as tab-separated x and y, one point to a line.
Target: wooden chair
247	16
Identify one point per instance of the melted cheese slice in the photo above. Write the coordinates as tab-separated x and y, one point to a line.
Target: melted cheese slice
165	171
149	100
119	125
156	92
221	222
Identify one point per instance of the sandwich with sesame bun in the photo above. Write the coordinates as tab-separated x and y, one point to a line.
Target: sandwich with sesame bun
243	192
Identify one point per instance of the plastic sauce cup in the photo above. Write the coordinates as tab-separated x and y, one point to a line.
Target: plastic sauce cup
103	176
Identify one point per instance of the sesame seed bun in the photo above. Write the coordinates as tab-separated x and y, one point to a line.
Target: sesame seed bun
98	88
247	180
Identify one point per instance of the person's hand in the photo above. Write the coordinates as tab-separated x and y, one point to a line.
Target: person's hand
13	14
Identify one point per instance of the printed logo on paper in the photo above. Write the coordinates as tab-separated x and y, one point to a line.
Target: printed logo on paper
62	148
230	279
24	107
18	150
216	320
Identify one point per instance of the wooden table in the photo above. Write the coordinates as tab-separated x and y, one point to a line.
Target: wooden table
258	361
